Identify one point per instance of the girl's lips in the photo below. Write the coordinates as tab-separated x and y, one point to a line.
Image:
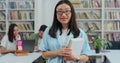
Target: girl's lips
64	19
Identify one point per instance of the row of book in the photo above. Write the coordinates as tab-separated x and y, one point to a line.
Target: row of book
97	15
90	25
20	4
2	26
24	35
21	15
110	26
112	3
2	5
22	26
86	3
112	15
1	36
112	36
15	15
2	15
26	26
95	3
92	36
88	15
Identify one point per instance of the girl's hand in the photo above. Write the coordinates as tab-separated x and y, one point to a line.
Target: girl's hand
16	37
36	48
65	52
82	58
70	58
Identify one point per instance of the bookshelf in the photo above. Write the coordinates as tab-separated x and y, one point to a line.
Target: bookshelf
100	15
2	18
112	20
20	12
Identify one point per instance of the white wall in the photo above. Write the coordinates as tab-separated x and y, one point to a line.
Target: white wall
38	14
44	10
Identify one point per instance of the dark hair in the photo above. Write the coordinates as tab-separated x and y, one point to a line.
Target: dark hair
57	25
11	32
42	28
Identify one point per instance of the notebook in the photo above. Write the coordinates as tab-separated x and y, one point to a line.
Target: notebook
28	45
76	44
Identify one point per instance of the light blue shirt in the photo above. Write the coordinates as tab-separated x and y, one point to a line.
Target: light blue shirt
50	44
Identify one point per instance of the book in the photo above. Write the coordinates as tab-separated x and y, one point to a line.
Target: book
21	52
76	44
2	15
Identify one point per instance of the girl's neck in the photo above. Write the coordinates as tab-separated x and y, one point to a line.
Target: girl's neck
65	26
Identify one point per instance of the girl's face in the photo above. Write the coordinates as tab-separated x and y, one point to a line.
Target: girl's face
15	32
41	34
63	13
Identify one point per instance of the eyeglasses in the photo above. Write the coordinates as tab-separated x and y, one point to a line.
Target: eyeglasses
60	12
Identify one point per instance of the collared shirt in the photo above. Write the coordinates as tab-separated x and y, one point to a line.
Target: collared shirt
35	37
50	44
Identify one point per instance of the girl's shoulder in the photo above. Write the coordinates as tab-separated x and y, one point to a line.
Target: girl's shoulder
81	30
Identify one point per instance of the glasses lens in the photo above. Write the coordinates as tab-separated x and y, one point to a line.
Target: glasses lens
67	12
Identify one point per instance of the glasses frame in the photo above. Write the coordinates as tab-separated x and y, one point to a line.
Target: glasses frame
60	12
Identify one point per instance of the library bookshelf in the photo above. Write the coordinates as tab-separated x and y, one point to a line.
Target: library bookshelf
20	12
102	16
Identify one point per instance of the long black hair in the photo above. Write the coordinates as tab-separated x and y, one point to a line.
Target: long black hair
57	25
11	32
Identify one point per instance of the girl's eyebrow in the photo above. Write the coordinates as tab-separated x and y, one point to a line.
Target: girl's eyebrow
63	9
